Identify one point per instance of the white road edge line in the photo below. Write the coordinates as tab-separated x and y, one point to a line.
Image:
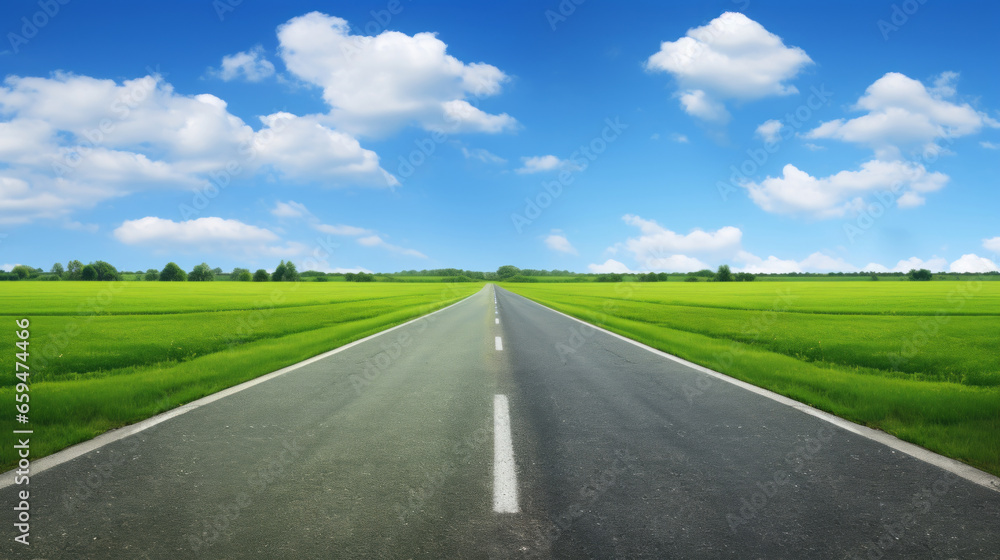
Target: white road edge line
499	342
958	468
82	448
504	470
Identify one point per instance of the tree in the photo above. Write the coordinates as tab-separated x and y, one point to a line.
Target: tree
105	272
279	272
291	274
22	271
217	271
57	269
359	277
240	275
744	277
507	270
172	273
691	279
152	275
201	273
921	275
88	273
724	274
73	269
261	275
874	277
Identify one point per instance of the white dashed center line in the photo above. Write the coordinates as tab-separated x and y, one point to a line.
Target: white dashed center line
499	343
504	471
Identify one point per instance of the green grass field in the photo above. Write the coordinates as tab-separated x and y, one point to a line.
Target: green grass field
920	360
104	355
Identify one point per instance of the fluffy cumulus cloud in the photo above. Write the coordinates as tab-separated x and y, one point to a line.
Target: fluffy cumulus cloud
902	113
69	142
538	164
816	262
972	263
608	266
558	242
660	249
934	264
376	84
769	131
797	192
210	234
250	65
992	244
301	148
731	58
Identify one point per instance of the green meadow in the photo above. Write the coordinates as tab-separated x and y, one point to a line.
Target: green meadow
107	354
920	360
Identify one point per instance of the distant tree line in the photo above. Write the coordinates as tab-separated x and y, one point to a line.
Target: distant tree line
287	272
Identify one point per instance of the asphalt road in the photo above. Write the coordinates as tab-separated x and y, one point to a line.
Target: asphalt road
395	448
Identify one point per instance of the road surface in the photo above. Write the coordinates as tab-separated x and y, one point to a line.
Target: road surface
497	428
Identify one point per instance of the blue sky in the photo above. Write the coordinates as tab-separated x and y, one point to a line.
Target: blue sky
384	136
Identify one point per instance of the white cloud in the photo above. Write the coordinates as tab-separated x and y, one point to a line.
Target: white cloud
903	113
660	249
7	267
70	142
302	148
697	103
769	131
150	230
823	197
656	240
558	242
934	264
482	155
609	266
972	263
990	145
538	164
674	263
377	241
732	57
679	138
816	262
874	267
376	84
210	234
992	244
290	209
249	65
341	229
